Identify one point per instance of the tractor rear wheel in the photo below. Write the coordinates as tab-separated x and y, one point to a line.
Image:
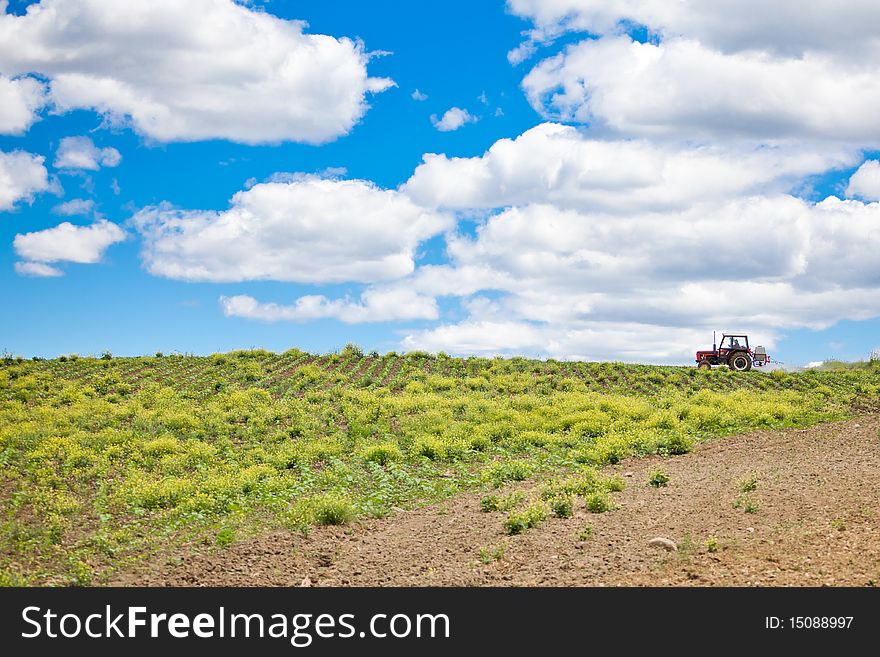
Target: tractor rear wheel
740	361
704	365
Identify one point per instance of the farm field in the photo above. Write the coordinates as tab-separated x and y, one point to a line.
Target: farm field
112	464
808	518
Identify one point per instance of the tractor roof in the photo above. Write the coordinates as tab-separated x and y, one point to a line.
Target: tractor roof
734	335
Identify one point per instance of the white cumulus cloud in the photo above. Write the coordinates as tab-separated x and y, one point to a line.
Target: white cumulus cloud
452	119
185	71
684	89
22	175
561	165
783	26
570	280
310	230
81	153
66	242
865	182
587	341
375	305
20	100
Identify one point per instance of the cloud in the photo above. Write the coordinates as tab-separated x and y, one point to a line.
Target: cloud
20	100
564	283
811	246
73	207
592	342
81	153
865	182
521	53
453	119
309	230
187	71
844	27
476	337
561	165
680	88
733	69
37	270
375	305
21	176
419	96
67	242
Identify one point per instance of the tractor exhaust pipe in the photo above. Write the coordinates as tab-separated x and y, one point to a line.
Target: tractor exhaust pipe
714	344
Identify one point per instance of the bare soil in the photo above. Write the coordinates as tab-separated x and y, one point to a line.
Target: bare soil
812	520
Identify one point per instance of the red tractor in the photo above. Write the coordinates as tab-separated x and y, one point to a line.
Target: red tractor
734	351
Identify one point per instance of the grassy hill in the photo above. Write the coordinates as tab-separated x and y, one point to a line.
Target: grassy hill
109	460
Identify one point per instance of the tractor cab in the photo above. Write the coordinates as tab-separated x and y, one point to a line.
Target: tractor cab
731	342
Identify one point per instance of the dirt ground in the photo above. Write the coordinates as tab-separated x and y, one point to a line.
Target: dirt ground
812	519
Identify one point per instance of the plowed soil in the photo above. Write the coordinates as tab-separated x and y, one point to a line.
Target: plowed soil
812	519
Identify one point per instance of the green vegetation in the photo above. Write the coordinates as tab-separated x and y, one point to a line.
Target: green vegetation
562	507
873	363
225	536
501	503
748	505
111	459
750	484
519	521
585	533
658	479
490	555
598	503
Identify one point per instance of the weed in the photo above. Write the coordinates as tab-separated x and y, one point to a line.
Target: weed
658	479
685	546
615	484
746	504
500	473
332	510
676	444
80	573
225	537
383	453
490	555
519	521
712	544
750	484
598	503
562	506
501	503
585	533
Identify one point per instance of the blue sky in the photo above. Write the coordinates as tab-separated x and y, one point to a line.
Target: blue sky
594	235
